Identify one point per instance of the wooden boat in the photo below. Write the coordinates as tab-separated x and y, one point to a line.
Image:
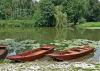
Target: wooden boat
32	54
3	51
72	53
3	46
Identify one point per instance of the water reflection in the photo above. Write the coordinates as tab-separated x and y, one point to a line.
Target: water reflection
49	34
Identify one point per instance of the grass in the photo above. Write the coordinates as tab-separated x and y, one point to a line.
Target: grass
90	25
30	23
16	23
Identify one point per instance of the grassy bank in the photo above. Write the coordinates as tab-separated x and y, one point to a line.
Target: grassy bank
16	23
30	23
90	25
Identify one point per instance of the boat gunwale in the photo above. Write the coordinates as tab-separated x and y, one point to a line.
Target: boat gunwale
63	53
20	57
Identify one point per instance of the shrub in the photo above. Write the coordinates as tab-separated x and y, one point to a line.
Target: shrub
16	23
81	20
43	15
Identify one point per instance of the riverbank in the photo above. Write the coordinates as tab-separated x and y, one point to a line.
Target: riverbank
90	25
16	23
50	66
30	24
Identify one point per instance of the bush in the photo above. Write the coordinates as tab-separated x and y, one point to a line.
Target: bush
16	23
82	20
43	15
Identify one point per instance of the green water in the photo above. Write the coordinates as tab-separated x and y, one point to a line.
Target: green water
48	34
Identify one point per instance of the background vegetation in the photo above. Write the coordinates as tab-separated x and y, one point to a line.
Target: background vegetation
49	13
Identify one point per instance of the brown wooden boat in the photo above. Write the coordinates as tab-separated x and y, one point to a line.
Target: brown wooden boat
3	46
3	51
72	53
32	54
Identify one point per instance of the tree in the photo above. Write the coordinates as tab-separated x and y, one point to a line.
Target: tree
93	13
22	9
60	17
43	15
57	2
16	9
75	9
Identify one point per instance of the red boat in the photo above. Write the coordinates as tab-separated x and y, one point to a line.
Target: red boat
72	53
3	51
3	46
32	54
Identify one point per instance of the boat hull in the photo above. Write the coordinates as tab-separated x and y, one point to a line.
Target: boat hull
3	53
3	46
33	54
72	55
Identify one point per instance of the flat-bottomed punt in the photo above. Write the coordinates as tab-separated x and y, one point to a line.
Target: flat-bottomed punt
33	54
72	53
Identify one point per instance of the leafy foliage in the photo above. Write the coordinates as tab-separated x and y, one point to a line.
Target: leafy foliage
16	23
75	9
93	12
16	9
43	15
50	13
18	47
57	2
60	17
